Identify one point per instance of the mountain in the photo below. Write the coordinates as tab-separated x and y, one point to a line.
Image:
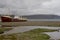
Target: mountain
41	16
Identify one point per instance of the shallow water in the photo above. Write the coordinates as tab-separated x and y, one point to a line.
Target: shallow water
54	35
43	19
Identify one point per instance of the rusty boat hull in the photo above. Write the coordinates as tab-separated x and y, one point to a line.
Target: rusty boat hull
8	19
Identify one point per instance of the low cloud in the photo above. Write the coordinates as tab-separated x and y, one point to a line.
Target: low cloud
29	7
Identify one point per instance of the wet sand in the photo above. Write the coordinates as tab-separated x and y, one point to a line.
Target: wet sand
32	23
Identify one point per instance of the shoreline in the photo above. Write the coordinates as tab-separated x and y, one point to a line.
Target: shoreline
32	23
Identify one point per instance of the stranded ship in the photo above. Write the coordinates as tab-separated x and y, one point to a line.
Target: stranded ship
13	19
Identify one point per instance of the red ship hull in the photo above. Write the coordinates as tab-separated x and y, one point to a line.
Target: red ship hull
7	19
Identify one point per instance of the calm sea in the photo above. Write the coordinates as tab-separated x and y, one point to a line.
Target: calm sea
43	19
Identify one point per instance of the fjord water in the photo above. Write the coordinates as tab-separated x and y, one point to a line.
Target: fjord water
43	19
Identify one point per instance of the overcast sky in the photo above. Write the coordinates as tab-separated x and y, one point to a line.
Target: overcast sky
29	7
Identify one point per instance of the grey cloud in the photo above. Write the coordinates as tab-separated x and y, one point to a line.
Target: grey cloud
27	7
2	6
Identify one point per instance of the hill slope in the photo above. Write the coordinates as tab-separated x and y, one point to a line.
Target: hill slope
42	16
